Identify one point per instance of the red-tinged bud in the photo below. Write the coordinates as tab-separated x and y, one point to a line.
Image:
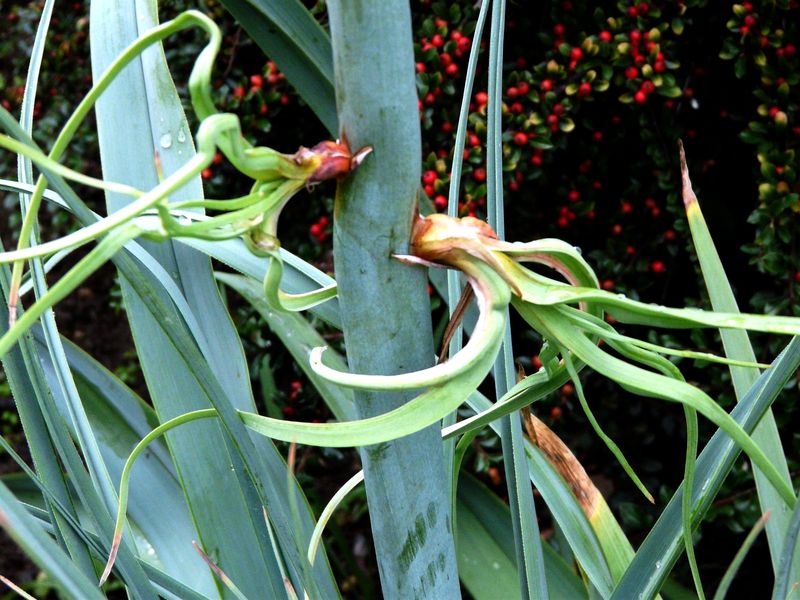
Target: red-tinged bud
333	159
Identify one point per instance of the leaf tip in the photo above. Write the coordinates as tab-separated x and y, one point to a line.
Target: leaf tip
112	556
689	198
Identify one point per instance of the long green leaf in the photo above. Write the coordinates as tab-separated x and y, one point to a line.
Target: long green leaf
157	506
145	110
486	550
737	346
523	510
40	546
663	545
289	35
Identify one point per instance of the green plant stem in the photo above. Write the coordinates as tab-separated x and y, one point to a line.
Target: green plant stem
385	308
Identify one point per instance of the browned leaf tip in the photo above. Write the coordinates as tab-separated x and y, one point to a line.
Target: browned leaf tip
686	184
564	462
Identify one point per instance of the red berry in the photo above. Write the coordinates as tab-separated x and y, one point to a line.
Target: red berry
574	195
440	202
744	30
445	59
437	41
479	175
324	221
633	12
640	97
558	109
789	50
429	98
520	138
659	66
516	108
256	81
797	276
598	136
451	70
657	266
447	127
630	250
428	189
474	140
605	36
547	85
616	229
774	110
315	229
608	284
536	160
748	6
464	44
627	208
429	177
576	54
481	98
559	30
238	92
648	87
523	88
585	89
552	120
421	68
536	362
206	173
631	72
563	222
750	21
555	412
512	92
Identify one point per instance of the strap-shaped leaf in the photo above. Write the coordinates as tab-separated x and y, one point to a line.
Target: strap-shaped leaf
289	35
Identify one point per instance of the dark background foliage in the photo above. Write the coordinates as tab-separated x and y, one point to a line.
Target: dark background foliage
596	96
